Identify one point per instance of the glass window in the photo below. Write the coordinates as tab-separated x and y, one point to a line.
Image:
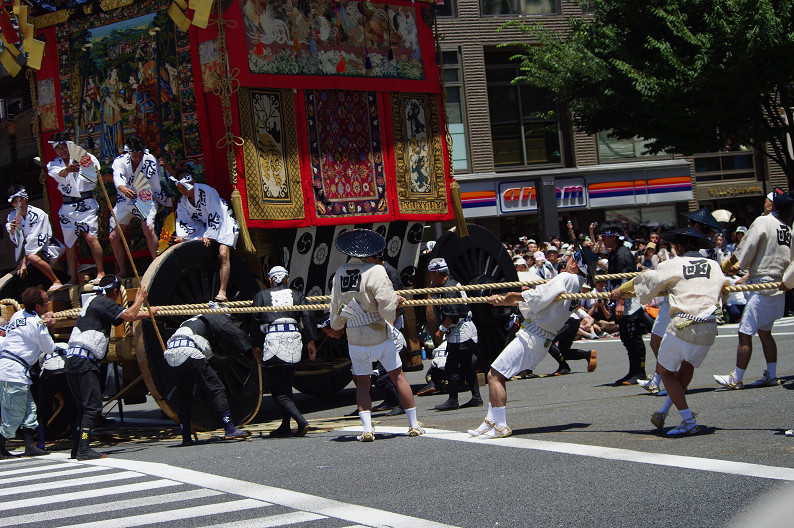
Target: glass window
524	125
720	166
446	8
455	110
611	149
518	7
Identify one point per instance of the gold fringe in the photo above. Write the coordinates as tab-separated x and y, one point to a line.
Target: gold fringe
246	246
457	208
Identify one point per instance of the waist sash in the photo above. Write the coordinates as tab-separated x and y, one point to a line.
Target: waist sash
86	195
5	354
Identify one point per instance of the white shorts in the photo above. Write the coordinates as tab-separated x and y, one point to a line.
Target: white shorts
522	353
364	356
79	217
673	351
662	319
761	312
125	211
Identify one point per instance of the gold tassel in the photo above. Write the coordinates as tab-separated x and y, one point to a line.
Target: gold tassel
457	208
239	214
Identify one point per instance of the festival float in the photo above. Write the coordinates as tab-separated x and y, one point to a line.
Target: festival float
310	117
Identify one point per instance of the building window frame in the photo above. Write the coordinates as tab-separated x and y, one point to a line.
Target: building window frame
461	131
637	146
517	8
727	166
523	121
441	10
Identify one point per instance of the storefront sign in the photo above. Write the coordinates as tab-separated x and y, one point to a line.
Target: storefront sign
518	197
734	190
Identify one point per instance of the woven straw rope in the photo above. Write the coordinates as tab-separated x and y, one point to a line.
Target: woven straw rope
197	309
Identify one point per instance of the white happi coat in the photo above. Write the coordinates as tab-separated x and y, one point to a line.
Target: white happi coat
124	174
545	316
366	295
80	210
695	292
285	345
27	338
766	250
209	218
36	235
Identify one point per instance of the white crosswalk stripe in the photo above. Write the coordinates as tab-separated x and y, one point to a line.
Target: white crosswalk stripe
52	474
174	515
123	504
27	469
275	520
13	490
164	494
90	494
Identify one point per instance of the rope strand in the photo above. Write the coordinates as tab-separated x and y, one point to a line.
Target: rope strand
240	307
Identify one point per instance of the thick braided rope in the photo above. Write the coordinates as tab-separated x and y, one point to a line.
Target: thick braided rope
124	303
10	302
204	309
416	291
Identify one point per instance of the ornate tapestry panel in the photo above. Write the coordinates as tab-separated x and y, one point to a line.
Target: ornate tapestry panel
271	156
128	71
288	37
346	158
418	154
209	59
47	109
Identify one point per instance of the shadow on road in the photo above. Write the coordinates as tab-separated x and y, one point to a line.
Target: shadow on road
549	429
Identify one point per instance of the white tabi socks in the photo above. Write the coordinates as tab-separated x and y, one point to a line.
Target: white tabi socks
413	422
366	420
485	425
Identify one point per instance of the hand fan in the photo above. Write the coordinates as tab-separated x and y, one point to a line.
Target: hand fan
87	168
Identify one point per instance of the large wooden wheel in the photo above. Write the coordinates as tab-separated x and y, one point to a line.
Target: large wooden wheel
188	274
329	372
480	258
12	286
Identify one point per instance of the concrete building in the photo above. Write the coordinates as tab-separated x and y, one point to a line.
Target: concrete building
508	136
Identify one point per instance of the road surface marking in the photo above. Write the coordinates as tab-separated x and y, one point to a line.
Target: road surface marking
608	453
104	507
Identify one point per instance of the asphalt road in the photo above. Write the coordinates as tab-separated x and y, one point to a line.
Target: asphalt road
583	453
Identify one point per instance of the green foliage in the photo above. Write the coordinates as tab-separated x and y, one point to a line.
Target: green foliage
688	73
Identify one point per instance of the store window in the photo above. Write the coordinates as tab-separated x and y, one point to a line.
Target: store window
518	7
455	110
725	166
446	8
525	127
611	149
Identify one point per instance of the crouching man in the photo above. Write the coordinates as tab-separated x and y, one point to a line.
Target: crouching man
187	351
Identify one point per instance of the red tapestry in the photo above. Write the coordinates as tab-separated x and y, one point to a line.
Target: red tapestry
346	155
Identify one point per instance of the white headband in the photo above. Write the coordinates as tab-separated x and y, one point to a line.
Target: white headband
108	287
579	258
22	193
56	143
187	181
277	273
438	264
